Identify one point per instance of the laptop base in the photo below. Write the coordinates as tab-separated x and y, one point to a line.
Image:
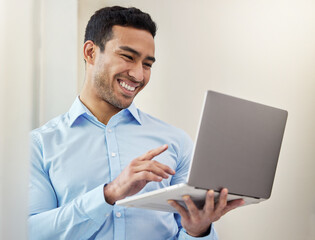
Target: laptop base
157	200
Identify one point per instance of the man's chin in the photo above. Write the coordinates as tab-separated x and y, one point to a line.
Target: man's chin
126	102
122	105
127	105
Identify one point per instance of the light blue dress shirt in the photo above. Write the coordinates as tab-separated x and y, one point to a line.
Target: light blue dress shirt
74	155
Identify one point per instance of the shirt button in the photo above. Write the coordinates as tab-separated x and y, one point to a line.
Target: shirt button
118	214
113	154
109	130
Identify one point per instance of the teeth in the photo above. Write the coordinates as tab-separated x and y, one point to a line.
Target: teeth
125	85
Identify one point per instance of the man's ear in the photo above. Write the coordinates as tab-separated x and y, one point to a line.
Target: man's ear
89	50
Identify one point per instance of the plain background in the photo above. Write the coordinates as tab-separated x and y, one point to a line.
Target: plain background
259	50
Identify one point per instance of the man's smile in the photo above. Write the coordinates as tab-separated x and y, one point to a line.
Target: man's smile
129	86
126	85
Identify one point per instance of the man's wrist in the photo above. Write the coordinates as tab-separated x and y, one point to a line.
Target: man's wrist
109	194
206	233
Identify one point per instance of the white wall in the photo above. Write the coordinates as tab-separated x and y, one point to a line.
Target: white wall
58	77
16	80
260	50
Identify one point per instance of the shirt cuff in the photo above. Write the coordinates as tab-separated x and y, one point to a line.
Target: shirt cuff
183	235
95	205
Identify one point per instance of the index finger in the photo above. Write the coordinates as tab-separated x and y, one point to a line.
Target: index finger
153	153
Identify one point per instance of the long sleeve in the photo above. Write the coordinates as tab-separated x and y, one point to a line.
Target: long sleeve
78	219
183	235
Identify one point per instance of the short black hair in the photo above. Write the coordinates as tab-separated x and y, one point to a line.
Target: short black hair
99	27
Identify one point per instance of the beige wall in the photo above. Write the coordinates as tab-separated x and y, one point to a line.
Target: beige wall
58	57
259	50
16	81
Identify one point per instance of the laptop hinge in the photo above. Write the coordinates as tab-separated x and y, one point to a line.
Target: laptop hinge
230	193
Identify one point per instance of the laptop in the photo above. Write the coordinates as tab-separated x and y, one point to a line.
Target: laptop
237	147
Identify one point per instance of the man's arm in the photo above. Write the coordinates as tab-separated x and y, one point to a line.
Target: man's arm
84	215
78	219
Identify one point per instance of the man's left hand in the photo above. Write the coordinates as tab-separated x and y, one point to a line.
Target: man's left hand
197	221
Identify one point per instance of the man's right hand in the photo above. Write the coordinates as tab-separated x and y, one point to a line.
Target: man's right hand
136	175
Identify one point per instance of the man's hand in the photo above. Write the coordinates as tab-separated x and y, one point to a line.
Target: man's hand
197	222
136	175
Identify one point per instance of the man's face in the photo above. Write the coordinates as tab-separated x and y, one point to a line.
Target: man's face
124	68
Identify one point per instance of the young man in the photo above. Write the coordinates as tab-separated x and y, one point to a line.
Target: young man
105	149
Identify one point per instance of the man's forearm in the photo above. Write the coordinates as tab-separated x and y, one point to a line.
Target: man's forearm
79	219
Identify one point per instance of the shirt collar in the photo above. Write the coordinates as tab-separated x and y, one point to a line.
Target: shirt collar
78	108
134	112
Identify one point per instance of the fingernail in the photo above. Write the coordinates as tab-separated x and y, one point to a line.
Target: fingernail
185	197
211	193
224	191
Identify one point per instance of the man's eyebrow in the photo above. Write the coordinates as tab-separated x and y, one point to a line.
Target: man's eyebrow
129	49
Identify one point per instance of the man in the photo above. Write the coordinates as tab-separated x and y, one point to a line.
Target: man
105	149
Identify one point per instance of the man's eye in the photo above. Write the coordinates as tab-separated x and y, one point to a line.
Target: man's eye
147	65
127	56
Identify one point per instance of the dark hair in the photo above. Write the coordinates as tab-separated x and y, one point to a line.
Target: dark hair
99	27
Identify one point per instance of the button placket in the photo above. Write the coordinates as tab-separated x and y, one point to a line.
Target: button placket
112	151
115	170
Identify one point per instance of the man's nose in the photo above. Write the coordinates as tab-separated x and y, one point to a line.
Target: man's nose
136	72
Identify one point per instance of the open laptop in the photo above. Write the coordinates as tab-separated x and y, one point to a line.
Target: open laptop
237	147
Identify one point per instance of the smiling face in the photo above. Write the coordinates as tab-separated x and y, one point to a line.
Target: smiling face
123	69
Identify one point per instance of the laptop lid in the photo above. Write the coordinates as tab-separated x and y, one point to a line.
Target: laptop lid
237	146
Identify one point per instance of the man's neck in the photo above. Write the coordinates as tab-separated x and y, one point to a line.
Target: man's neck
101	109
